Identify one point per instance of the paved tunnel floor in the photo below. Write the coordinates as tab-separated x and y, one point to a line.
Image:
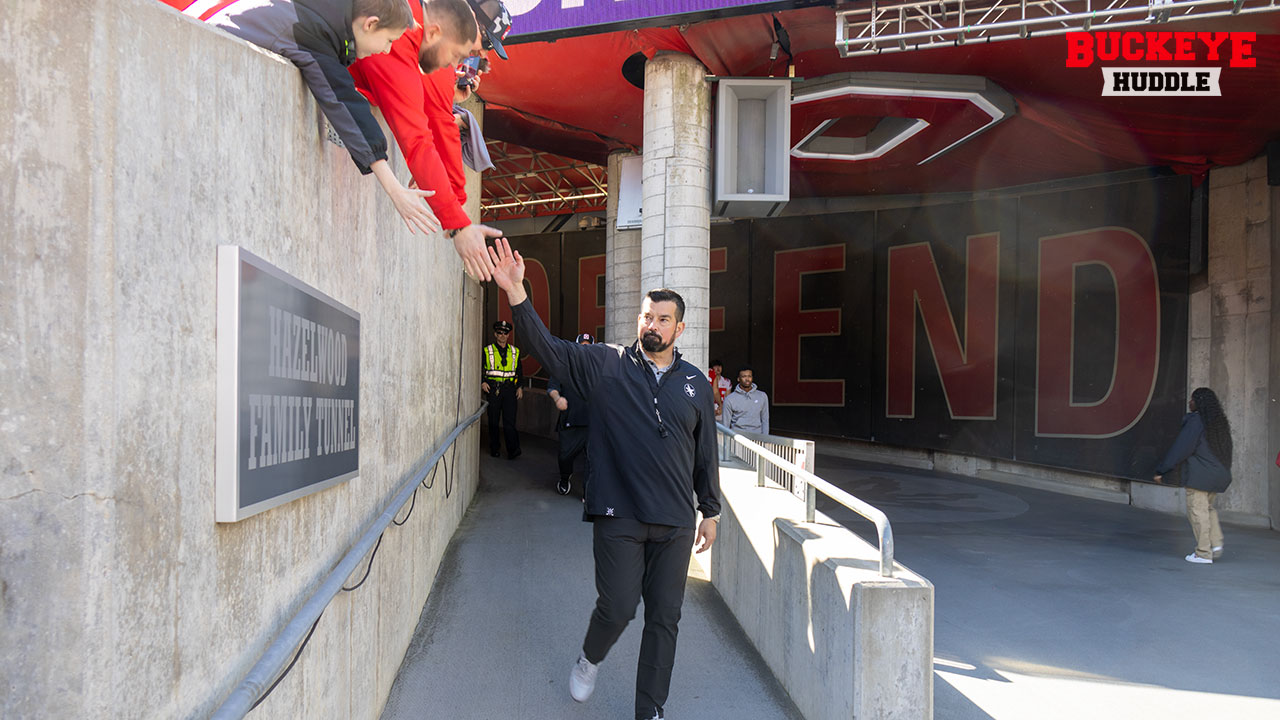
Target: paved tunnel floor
1050	606
506	617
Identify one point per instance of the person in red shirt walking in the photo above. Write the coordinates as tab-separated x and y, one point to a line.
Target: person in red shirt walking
720	385
413	85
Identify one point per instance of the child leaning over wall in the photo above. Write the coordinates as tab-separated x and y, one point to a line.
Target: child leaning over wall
323	37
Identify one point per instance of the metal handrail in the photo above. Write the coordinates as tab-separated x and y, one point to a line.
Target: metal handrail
274	658
795	450
813	482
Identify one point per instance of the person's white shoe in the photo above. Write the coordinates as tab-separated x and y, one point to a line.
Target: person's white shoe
1194	558
1217	552
582	679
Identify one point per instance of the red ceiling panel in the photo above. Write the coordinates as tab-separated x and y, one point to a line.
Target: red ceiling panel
569	97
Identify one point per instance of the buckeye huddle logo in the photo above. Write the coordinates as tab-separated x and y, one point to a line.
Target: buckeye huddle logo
1084	49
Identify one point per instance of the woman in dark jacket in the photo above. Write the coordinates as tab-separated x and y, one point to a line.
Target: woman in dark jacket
1204	443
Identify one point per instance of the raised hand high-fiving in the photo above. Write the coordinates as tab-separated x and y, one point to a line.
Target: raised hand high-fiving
508	270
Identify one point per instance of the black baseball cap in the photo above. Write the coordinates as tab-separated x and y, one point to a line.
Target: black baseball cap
584	338
502	326
494	21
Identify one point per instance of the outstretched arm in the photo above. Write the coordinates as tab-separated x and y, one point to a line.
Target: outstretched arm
508	271
394	83
408	203
576	366
469	242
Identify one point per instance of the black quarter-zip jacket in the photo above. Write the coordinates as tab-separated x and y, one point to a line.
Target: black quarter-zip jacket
651	446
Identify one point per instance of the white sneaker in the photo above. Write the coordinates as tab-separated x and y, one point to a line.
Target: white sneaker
582	679
1194	558
1217	552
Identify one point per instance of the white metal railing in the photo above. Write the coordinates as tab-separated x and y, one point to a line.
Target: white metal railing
799	452
802	482
883	26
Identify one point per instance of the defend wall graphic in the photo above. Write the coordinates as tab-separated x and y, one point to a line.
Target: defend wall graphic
1130	318
811	310
945	314
1049	329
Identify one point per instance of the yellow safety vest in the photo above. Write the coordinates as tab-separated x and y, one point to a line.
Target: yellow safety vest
495	370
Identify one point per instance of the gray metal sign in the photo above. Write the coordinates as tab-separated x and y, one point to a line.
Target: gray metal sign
288	415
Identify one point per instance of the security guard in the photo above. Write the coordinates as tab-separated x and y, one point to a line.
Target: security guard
502	378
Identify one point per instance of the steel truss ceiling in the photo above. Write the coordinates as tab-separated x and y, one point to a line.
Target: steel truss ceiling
895	25
529	183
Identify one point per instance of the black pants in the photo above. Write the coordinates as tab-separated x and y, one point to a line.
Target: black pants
634	560
502	404
573	440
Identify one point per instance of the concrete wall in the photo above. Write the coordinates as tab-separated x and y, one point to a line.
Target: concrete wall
1231	328
844	641
134	142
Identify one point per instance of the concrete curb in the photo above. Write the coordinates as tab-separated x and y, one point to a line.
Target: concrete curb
1091	493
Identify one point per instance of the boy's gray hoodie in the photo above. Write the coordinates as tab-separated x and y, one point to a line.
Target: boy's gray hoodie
747	410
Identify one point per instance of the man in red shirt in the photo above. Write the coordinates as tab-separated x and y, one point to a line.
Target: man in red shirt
413	86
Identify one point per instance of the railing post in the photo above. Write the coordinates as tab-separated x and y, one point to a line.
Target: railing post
810	503
760	471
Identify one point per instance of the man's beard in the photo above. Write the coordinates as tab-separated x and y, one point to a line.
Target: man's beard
429	58
652	343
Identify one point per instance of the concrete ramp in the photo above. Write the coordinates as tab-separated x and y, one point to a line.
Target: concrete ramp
506	618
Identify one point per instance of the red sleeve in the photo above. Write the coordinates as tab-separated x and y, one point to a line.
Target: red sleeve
394	83
438	88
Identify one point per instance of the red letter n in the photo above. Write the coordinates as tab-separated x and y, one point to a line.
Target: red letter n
968	371
1137	346
791	325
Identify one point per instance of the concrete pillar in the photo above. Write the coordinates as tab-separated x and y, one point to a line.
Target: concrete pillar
474	179
622	265
676	230
1234	356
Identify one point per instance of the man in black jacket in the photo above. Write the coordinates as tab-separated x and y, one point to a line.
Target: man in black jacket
653	468
571	426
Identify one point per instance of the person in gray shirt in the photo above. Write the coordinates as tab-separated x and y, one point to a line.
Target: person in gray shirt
747	407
